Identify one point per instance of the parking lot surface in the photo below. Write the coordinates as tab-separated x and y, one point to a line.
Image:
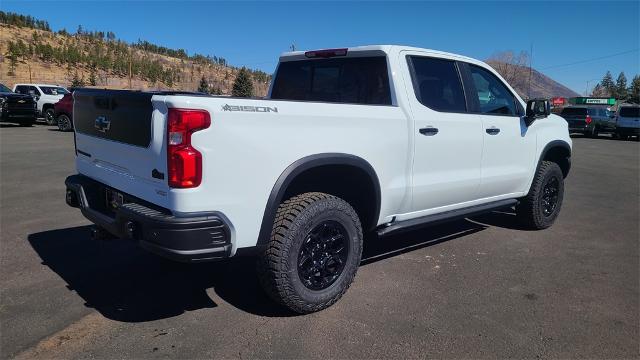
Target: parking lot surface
477	288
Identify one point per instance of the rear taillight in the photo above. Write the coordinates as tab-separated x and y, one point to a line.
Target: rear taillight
184	163
588	119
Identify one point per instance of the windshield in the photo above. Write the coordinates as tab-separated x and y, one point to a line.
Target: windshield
574	111
53	90
5	89
630	112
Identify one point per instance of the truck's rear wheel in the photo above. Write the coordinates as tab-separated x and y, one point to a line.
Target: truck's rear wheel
313	254
540	208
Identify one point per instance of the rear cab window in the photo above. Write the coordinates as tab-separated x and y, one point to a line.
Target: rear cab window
354	80
574	112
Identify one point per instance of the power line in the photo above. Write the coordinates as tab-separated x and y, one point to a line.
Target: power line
589	60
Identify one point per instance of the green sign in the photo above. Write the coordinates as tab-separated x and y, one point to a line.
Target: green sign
594	101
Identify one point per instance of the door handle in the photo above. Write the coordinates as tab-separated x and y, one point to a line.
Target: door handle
493	130
429	131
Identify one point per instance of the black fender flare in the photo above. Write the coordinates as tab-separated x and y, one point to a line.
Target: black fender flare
555	144
297	168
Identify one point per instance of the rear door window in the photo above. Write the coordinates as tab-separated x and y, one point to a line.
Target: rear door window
363	80
437	84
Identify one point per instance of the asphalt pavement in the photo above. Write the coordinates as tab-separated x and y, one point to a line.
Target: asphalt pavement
476	288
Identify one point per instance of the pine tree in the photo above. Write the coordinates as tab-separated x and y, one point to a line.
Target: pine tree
92	76
204	85
242	86
634	90
77	81
621	87
608	84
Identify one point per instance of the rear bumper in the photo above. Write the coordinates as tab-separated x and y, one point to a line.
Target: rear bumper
197	238
628	131
579	127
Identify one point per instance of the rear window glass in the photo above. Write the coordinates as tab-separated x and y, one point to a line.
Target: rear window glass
342	80
574	111
630	112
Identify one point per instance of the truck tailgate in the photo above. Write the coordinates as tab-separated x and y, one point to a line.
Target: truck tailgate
120	141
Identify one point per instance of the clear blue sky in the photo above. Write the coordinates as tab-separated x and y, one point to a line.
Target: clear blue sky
253	34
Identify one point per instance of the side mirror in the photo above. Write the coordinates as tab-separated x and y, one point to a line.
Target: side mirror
537	109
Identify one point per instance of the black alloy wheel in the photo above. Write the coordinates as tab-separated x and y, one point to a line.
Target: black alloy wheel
50	116
323	255
64	123
549	198
313	254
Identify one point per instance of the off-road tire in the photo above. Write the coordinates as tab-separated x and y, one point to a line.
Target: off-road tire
278	266
50	116
529	210
64	123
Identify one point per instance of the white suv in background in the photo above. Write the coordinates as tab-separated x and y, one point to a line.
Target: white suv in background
46	96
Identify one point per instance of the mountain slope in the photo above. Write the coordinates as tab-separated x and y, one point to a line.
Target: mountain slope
542	86
48	57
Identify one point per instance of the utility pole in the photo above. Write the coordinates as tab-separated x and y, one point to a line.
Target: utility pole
586	89
29	65
130	56
530	69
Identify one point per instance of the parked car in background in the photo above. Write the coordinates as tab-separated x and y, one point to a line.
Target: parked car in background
64	112
589	120
17	108
46	96
628	121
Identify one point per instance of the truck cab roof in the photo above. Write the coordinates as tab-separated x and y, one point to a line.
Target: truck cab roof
370	50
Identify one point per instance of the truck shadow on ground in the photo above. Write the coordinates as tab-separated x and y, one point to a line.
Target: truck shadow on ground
125	283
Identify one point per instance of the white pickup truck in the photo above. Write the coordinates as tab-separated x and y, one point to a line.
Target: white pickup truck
366	139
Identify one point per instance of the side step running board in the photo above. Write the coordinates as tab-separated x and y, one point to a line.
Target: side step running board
411	224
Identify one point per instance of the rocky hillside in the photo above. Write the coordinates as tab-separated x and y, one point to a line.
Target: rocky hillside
30	54
542	86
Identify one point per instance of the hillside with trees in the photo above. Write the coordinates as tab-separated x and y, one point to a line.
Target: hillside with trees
32	52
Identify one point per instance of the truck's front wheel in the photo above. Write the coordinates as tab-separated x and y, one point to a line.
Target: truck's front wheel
313	254
540	208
